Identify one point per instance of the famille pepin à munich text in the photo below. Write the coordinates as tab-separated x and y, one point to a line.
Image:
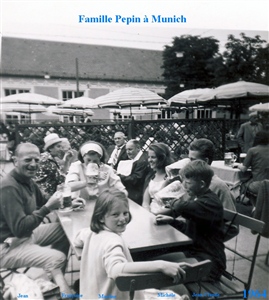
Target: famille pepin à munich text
132	19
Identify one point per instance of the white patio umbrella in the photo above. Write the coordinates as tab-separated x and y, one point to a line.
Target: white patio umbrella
22	108
188	97
80	102
239	89
143	111
129	97
262	107
30	98
69	111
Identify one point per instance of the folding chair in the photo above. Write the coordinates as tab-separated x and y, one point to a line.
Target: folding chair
231	286
261	211
133	282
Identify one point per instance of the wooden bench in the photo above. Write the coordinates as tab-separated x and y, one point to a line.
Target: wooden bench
230	286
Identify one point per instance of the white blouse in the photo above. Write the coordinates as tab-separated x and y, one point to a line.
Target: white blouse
107	179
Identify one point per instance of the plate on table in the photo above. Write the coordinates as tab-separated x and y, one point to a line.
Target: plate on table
78	204
65	210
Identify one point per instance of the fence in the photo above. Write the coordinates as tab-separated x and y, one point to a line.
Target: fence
177	134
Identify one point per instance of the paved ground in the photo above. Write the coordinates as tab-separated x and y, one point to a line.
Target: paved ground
244	242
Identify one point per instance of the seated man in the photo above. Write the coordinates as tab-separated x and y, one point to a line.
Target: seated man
119	151
132	172
22	236
204	218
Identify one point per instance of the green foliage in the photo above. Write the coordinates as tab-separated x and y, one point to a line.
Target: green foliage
262	63
241	58
187	63
194	62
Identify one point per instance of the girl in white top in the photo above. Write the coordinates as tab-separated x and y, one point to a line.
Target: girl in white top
91	152
159	156
105	254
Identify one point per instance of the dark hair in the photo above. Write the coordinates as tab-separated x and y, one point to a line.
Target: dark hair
261	138
103	205
205	147
102	159
162	153
198	170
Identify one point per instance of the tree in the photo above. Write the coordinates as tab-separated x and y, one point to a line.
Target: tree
243	58
262	63
188	63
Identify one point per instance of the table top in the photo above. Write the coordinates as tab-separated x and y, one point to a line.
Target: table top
142	234
227	173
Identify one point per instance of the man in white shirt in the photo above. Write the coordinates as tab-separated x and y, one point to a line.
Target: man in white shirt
119	152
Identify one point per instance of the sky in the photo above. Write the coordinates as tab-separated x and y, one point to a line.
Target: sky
59	20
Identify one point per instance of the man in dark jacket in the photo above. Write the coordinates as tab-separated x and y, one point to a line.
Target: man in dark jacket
133	171
247	132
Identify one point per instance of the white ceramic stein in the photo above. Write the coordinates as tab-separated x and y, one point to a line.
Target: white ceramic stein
229	158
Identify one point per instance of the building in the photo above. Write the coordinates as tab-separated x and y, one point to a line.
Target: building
67	70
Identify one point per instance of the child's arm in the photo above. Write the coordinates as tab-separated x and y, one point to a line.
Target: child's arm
199	210
171	269
162	219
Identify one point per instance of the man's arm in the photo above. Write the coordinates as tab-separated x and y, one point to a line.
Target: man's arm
240	136
248	160
138	173
13	209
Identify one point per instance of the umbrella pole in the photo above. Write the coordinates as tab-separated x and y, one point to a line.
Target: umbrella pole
131	110
30	119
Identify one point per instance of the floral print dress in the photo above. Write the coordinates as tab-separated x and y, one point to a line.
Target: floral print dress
49	175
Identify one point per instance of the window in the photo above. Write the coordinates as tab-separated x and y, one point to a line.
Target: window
165	114
15	91
12	118
25	119
66	95
204	113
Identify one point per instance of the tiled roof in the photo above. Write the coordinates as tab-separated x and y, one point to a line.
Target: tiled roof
26	57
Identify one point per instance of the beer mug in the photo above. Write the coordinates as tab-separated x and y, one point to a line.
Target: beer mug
242	157
229	158
66	199
92	173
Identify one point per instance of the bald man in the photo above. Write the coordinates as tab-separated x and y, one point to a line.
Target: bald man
22	236
139	168
119	152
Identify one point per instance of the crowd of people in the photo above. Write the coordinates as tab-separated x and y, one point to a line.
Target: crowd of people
31	191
